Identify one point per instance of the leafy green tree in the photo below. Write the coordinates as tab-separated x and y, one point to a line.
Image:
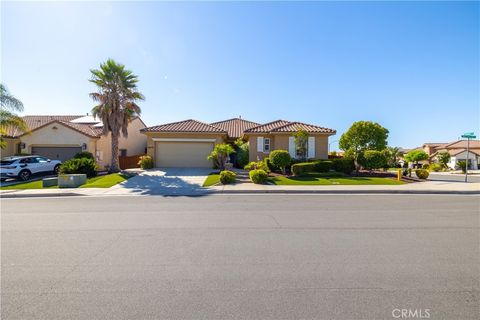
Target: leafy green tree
372	159
391	155
301	143
220	154
8	119
416	156
362	136
117	98
443	158
280	159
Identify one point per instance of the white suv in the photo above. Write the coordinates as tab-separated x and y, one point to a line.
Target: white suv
23	167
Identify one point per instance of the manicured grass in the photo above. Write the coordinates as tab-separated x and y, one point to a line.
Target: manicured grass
211	179
329	179
106	181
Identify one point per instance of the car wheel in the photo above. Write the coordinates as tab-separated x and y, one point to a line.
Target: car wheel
24	175
56	169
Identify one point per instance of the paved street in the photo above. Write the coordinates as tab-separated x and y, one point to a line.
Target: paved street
453	177
240	257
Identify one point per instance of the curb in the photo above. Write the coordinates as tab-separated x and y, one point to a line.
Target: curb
40	195
467	192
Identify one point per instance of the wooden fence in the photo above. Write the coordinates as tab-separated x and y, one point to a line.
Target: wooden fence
129	161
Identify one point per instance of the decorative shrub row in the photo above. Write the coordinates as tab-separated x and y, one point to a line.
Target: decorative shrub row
257	165
299	169
339	165
227	177
258	176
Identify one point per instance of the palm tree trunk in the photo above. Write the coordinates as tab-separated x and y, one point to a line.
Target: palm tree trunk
115	166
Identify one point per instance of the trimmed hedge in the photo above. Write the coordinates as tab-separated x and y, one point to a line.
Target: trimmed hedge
258	176
323	166
344	165
280	159
227	176
303	167
422	173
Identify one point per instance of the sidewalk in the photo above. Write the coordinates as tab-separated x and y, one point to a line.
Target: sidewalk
428	187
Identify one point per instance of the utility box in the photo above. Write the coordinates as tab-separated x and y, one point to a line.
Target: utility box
49	182
71	180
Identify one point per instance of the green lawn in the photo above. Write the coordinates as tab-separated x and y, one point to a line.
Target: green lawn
329	179
106	181
211	180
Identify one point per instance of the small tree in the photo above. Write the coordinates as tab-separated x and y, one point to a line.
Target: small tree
415	156
220	153
391	155
372	159
280	159
242	152
443	158
462	165
361	136
301	143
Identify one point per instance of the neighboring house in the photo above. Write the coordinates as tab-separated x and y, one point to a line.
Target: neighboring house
279	135
188	143
61	137
458	152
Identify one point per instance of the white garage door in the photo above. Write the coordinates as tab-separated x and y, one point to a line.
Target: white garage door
183	154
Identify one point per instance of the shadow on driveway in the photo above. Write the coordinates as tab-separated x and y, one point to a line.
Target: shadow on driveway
167	182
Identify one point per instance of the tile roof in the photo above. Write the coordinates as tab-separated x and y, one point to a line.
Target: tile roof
287	126
462	144
34	122
185	126
235	127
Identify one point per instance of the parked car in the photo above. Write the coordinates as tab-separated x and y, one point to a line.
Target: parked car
23	167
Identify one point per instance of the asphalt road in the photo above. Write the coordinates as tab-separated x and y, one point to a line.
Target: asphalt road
241	257
453	177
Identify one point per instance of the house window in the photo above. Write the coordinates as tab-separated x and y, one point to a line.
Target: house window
123	152
266	145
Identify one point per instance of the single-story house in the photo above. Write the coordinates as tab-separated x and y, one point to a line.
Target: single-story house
458	152
61	137
188	143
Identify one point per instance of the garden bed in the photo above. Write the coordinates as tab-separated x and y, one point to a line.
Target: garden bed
332	178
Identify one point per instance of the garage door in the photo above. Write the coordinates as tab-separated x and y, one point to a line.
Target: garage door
56	153
183	154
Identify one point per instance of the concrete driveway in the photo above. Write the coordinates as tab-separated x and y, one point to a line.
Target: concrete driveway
165	181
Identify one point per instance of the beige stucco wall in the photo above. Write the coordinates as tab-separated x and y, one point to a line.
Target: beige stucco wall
219	138
56	135
10	149
135	144
280	142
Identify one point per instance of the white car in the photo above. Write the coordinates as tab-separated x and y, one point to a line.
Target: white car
23	167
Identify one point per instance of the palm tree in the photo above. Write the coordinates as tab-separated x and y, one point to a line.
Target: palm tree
8	119
117	96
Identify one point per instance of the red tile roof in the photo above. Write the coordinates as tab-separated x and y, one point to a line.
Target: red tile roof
185	126
34	122
235	127
462	144
287	126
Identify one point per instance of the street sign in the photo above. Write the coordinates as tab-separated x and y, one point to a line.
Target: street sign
469	135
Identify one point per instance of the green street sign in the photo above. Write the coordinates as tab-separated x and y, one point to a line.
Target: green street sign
469	135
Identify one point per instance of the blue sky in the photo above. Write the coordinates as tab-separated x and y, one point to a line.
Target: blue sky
413	66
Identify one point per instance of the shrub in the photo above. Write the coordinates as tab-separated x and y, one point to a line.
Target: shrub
301	168
269	165
323	166
345	165
84	154
81	165
462	165
242	155
422	173
220	154
257	165
227	176
372	159
145	162
436	167
258	176
425	166
280	159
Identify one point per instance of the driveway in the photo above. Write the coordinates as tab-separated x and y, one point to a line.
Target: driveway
165	181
